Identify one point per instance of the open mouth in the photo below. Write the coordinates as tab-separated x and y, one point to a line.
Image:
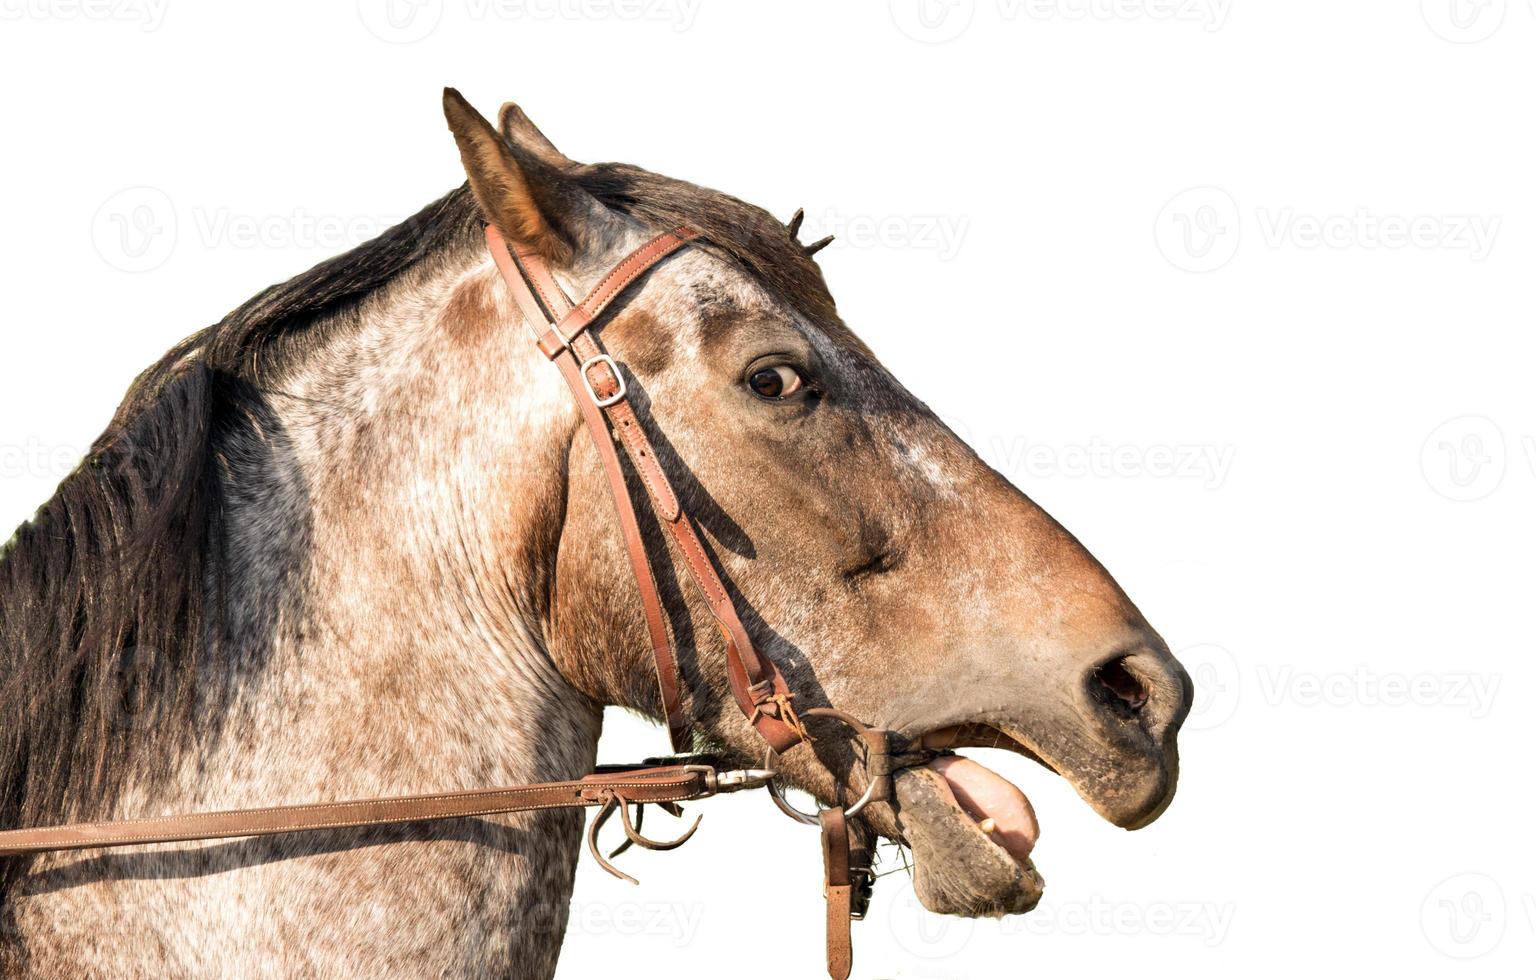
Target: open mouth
1000	809
971	831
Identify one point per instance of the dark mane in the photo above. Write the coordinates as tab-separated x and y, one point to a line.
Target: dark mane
104	624
110	596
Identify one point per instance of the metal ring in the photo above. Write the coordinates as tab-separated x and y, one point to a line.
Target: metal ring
800	816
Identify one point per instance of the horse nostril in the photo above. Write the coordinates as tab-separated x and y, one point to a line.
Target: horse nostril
1116	685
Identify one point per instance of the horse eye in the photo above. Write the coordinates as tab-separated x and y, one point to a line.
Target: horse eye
776	382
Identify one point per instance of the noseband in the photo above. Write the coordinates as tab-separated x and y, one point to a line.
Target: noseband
757	685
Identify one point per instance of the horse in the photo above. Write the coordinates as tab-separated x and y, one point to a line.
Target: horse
350	541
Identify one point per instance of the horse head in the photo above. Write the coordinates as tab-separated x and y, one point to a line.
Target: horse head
876	560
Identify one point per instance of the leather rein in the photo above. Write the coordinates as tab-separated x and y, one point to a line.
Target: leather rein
757	685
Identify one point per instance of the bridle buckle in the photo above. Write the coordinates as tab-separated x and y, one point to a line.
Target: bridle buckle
613	367
863	883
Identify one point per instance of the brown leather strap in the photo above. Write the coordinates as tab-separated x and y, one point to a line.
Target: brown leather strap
666	784
569	322
756	683
650	597
838	884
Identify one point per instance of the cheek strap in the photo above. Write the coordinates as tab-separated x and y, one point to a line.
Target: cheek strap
601	389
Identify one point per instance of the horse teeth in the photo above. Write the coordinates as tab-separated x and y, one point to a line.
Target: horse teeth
988	825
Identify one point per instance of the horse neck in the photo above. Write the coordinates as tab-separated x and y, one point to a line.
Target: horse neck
388	514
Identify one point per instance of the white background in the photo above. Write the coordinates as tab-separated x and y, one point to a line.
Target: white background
1254	281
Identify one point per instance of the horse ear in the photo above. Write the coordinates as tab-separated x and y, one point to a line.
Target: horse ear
532	203
519	130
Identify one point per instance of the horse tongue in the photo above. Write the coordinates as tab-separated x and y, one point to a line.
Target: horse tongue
985	795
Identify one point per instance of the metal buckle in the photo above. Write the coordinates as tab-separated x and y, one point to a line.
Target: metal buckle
863	881
730	781
613	366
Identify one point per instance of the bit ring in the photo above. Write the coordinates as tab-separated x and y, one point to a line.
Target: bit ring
795	813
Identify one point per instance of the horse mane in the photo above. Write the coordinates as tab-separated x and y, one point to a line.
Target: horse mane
110	597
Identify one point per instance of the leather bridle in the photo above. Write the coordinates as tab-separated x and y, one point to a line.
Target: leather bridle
757	685
600	389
